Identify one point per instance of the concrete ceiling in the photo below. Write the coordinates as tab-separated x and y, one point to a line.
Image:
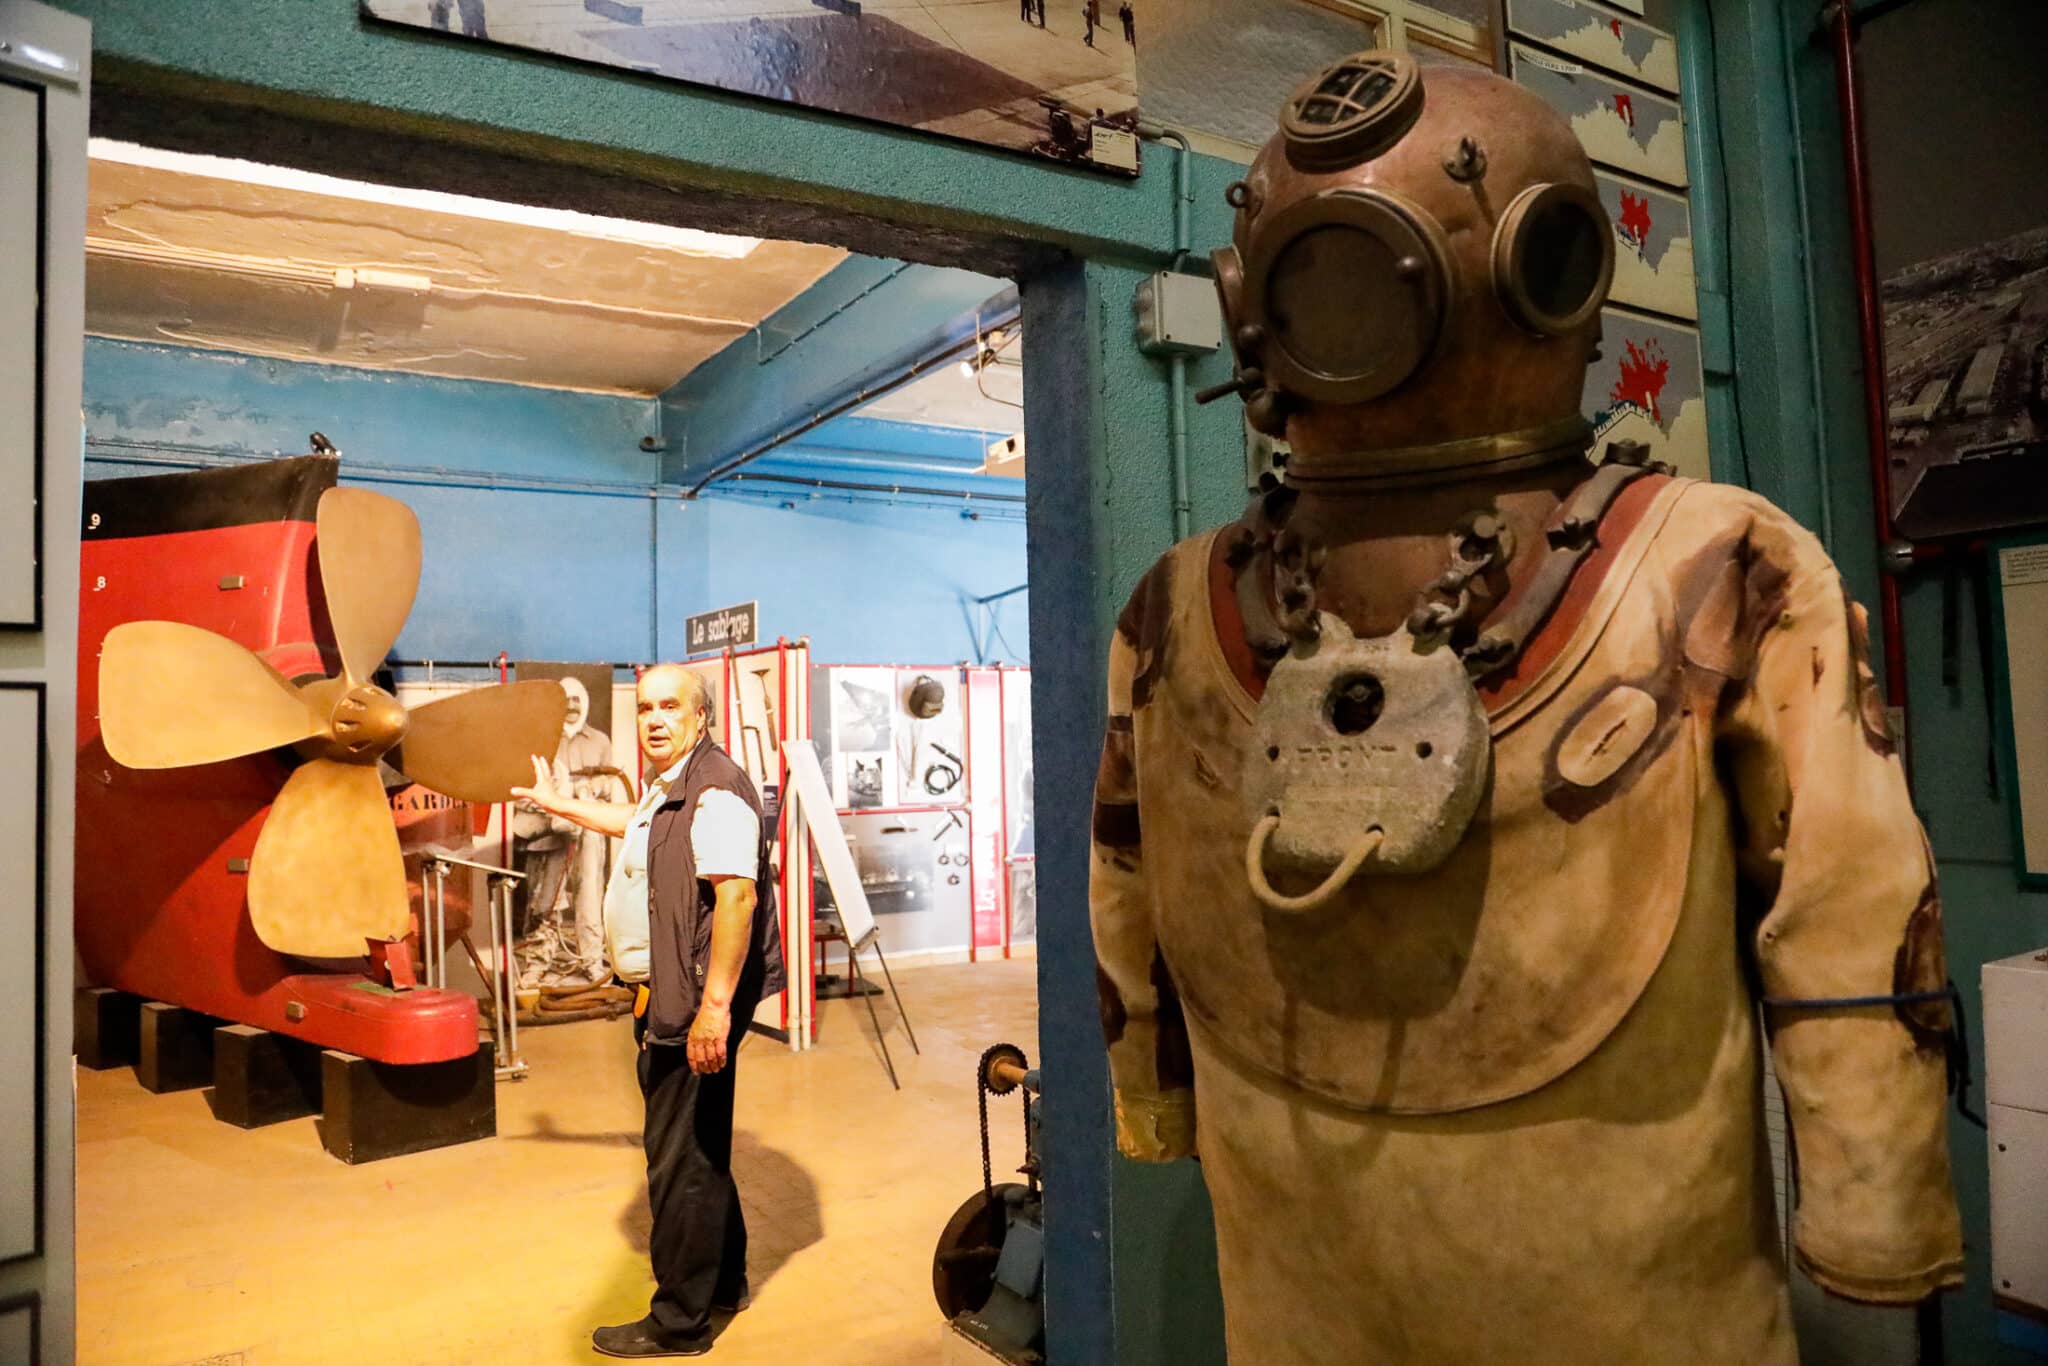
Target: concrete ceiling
208	252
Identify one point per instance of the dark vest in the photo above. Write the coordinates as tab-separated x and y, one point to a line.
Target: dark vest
680	905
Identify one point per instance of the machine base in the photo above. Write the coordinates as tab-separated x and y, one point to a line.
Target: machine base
106	1028
177	1048
376	1110
262	1078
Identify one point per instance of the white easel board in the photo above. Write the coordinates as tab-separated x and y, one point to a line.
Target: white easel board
821	818
2021	623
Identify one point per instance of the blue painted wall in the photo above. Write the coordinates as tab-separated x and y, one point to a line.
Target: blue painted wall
547	533
869	584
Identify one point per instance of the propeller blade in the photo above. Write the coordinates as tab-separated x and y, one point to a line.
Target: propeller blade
369	569
327	873
173	695
475	746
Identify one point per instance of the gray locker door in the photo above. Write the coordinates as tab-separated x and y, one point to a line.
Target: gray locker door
43	63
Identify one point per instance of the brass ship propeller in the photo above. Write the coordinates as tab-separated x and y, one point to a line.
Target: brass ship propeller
327	873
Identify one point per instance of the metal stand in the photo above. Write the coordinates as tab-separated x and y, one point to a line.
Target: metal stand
434	936
499	975
874	941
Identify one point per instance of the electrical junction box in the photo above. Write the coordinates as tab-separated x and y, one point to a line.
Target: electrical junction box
2016	1105
1178	315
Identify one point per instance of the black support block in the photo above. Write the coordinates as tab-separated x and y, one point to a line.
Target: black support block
263	1078
106	1028
177	1048
379	1109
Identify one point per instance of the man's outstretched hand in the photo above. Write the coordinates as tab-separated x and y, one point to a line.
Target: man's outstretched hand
542	794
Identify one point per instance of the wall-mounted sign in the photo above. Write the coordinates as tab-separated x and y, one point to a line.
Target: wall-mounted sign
1058	80
1620	125
1598	36
726	628
1647	386
1652	246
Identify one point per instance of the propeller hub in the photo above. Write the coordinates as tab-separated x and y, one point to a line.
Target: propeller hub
367	721
363	720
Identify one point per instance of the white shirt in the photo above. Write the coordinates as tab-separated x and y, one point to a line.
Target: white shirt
725	839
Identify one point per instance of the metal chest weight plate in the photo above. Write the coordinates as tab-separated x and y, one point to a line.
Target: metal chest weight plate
1356	736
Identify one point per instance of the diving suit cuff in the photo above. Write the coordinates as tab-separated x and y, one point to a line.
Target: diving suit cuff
1867	1288
1155	1128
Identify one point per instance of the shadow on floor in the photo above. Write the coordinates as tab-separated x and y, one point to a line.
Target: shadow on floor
544	1131
780	1199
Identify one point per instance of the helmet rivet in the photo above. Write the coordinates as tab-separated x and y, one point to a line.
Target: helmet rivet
1409	269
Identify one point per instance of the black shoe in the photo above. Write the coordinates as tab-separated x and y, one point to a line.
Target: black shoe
641	1339
721	1305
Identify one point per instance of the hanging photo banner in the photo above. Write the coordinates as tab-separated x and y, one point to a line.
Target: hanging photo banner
727	628
1647	387
1600	37
1619	125
1052	78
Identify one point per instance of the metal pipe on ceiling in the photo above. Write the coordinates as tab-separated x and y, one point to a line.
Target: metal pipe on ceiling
888	383
903	490
879	460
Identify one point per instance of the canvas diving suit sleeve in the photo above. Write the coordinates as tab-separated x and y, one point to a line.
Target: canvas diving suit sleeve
1836	866
1149	1063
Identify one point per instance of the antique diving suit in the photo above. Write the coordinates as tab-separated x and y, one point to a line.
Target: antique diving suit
1466	808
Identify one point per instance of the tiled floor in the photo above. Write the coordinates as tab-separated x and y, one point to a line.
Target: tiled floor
201	1242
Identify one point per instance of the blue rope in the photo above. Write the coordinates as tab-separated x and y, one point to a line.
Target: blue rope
1956	1053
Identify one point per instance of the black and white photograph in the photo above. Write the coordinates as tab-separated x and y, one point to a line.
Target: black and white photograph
1054	78
1966	382
561	914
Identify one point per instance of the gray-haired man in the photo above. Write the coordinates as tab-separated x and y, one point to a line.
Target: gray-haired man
690	912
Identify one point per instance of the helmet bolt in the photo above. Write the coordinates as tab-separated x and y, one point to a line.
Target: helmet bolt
1408	269
1467	161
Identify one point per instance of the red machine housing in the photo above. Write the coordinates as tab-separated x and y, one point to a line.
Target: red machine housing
163	855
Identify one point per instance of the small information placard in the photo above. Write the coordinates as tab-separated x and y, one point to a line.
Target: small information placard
727	627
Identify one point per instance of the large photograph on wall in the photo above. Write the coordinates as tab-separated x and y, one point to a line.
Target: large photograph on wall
1966	379
559	920
1055	78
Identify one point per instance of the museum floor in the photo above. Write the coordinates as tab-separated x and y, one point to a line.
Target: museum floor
202	1243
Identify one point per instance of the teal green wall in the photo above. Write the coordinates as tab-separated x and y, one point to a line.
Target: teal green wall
1096	431
1800	376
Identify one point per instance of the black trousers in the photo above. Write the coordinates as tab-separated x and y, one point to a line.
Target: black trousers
699	1243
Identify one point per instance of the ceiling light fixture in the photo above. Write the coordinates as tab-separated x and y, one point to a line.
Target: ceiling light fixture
687	240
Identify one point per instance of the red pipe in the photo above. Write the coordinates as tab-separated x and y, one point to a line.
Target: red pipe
1871	334
1003	791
